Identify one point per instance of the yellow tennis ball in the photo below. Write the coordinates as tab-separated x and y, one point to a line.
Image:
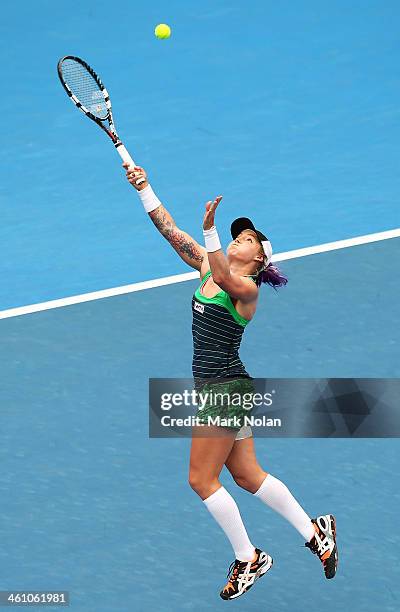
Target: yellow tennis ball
162	30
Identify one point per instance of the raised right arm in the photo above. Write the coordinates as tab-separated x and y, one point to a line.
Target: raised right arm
187	248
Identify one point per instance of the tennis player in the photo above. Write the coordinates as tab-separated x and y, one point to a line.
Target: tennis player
222	306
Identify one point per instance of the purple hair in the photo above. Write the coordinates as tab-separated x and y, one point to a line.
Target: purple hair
272	276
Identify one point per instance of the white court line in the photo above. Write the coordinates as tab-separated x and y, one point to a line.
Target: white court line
180	278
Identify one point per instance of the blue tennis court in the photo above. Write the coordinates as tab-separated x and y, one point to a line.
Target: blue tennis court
291	112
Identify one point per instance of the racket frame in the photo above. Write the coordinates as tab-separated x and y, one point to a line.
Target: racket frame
111	132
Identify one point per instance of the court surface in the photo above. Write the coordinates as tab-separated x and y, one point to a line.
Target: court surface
291	112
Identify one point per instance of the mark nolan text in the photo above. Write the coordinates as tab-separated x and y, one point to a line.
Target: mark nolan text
192	421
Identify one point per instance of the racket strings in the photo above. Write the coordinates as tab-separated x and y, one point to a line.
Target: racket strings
85	88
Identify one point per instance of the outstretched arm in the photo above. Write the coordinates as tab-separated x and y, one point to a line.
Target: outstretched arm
236	286
187	248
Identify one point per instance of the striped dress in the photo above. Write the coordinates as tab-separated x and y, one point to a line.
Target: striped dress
217	332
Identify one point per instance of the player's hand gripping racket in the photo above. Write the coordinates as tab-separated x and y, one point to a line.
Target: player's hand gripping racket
88	93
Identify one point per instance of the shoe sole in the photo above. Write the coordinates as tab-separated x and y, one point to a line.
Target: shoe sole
260	572
335	550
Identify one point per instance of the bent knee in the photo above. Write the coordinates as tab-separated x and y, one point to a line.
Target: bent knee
245	482
202	485
250	481
194	480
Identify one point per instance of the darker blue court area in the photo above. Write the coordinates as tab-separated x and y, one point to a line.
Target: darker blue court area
92	505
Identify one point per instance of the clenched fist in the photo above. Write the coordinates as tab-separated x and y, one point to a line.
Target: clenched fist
134	174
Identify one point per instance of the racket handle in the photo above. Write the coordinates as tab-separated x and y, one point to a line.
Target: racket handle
127	159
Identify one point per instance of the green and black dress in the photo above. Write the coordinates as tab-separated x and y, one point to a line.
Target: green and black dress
217	332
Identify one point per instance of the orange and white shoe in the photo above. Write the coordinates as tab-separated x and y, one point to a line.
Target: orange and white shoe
243	574
323	543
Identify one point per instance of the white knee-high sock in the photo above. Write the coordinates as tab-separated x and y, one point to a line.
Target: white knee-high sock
225	511
276	495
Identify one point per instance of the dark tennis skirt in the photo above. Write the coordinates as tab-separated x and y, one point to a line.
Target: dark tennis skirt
225	402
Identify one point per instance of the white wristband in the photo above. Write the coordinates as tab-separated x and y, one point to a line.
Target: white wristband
212	239
149	199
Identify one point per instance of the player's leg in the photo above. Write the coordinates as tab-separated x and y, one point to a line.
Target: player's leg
207	458
319	533
243	465
248	474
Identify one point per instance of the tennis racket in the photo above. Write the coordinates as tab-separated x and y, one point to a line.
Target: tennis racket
88	93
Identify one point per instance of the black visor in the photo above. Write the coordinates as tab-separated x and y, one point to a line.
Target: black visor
243	223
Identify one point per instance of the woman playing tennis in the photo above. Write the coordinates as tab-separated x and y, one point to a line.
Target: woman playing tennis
222	306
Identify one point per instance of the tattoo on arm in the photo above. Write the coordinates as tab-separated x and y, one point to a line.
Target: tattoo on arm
180	241
185	245
162	220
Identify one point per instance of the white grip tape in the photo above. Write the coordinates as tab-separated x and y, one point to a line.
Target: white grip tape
128	160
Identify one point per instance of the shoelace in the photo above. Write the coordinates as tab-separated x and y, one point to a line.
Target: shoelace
312	547
234	568
318	547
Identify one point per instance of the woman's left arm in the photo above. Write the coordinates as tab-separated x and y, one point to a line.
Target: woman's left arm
236	286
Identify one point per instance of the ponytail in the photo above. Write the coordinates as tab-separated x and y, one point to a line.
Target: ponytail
272	276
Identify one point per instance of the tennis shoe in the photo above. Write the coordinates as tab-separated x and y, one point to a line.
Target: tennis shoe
243	574
323	543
